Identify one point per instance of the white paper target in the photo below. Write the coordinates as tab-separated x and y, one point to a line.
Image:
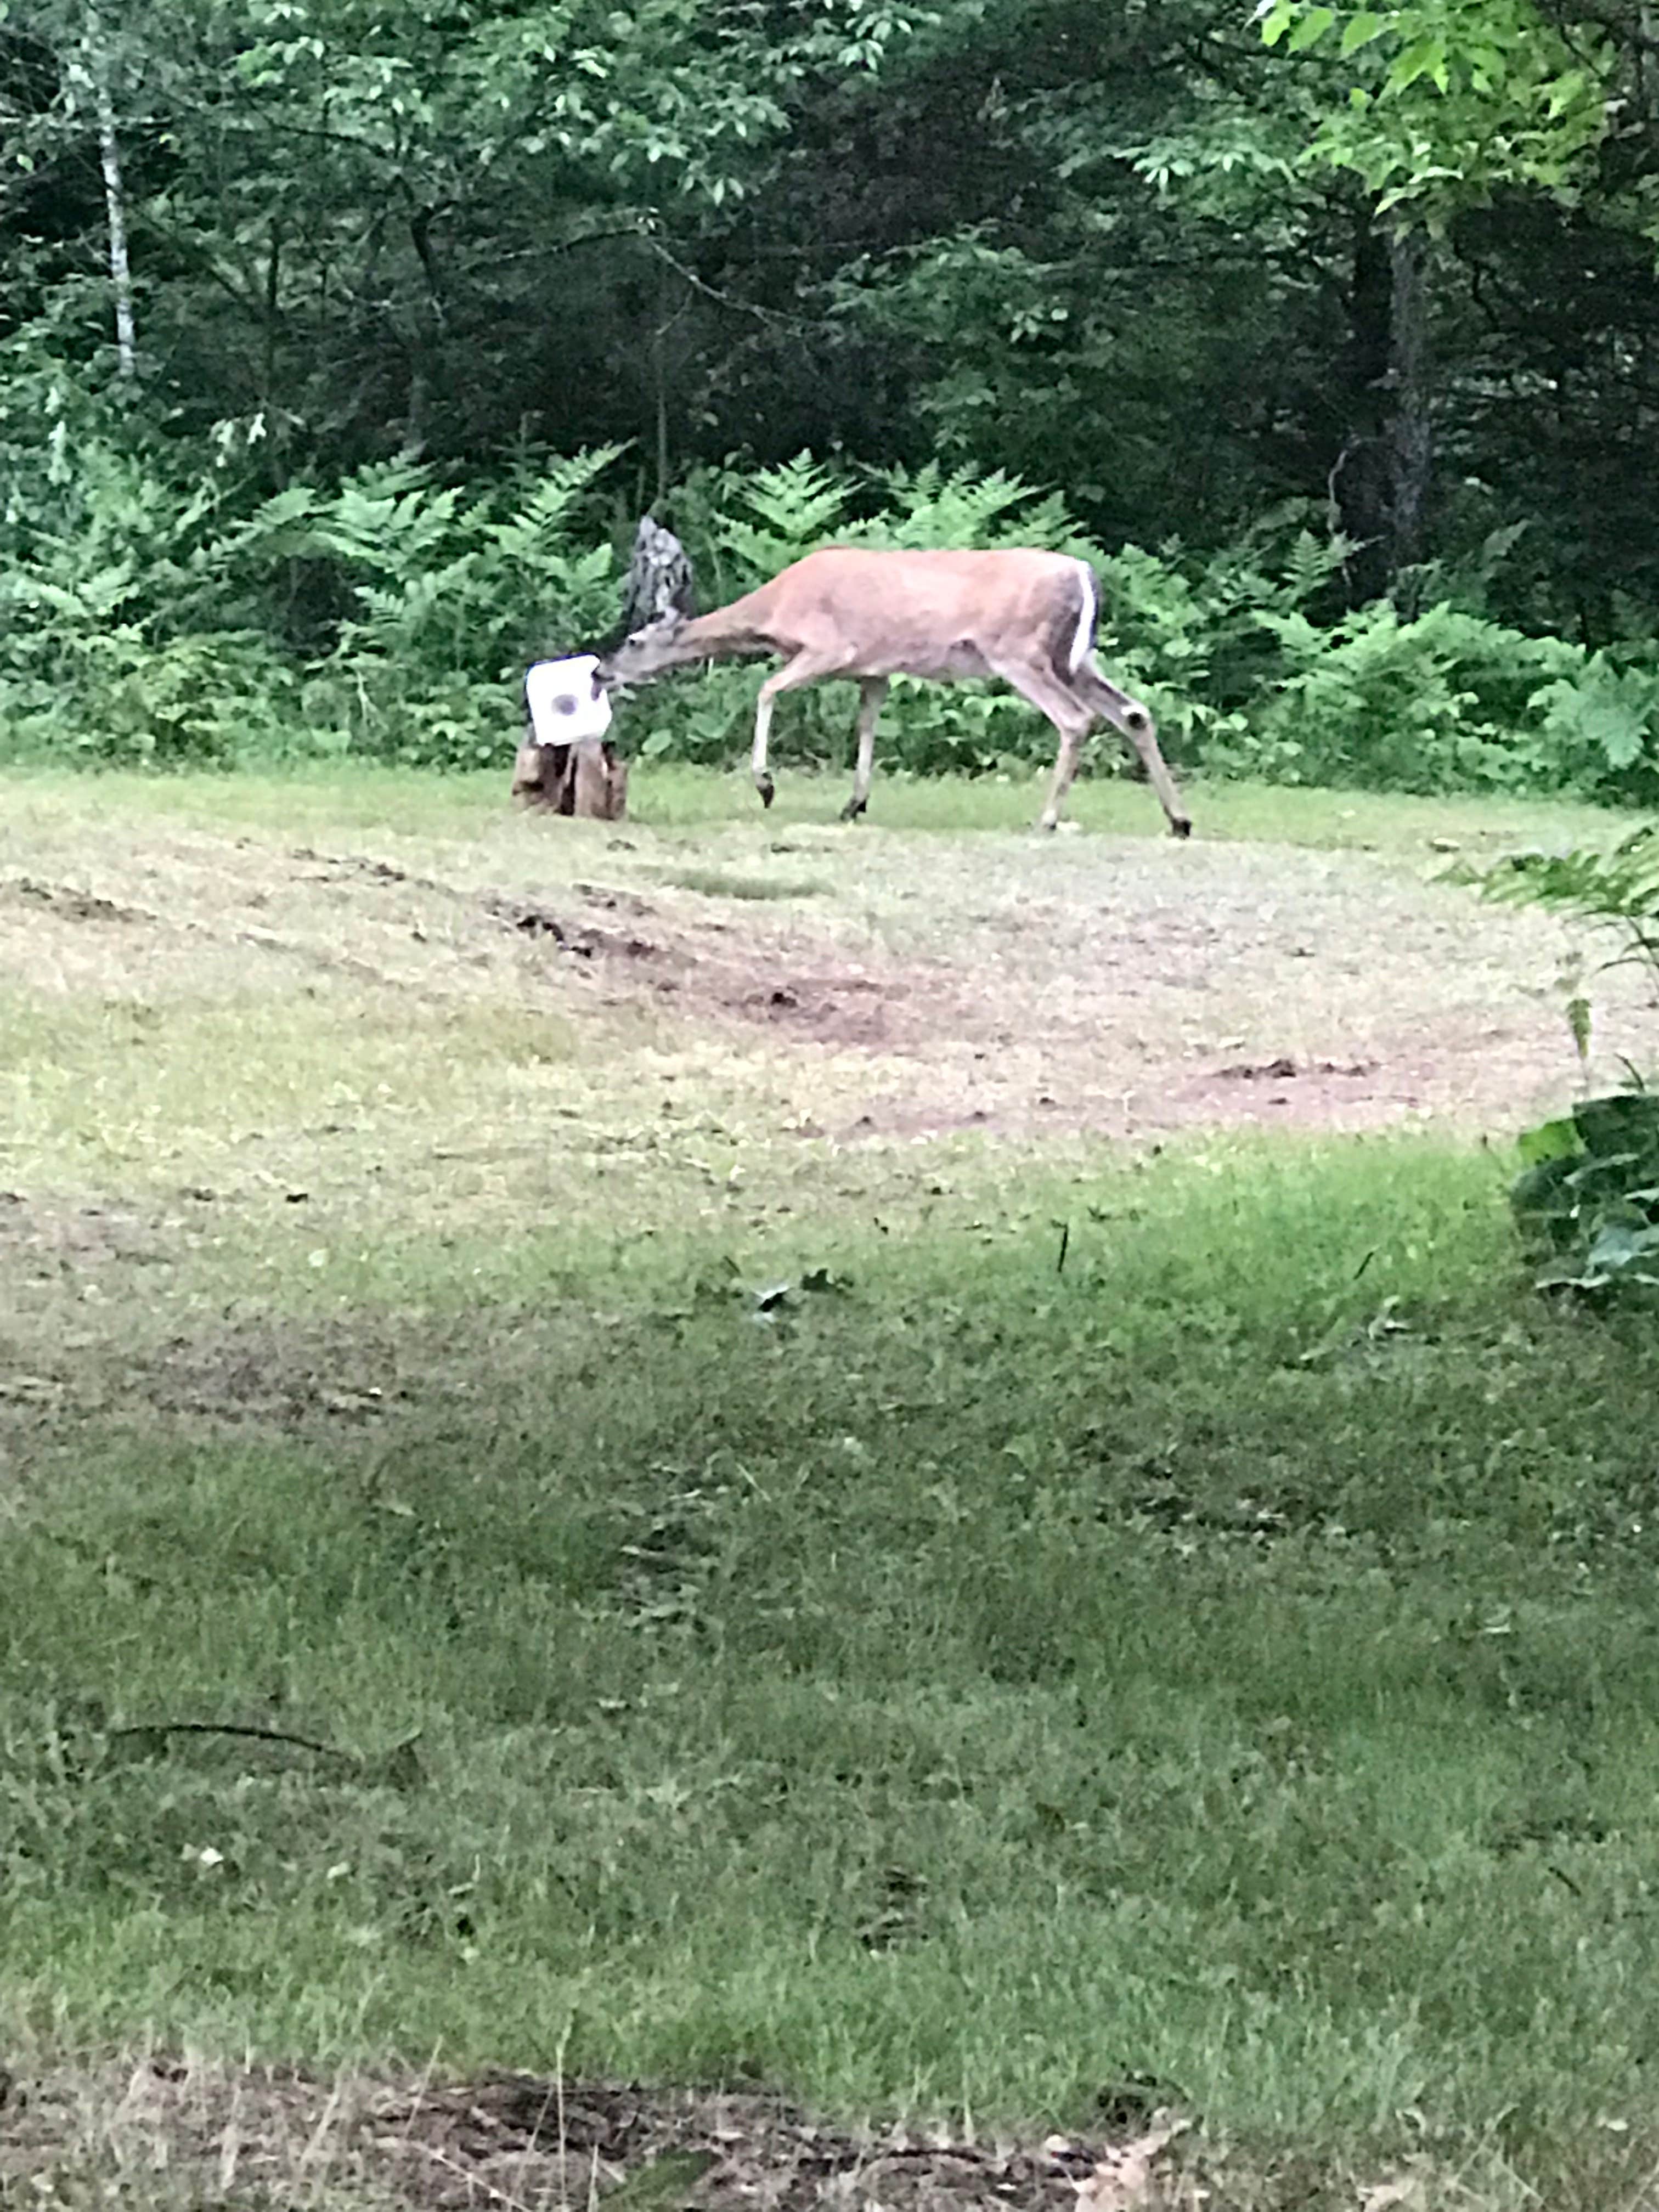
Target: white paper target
564	703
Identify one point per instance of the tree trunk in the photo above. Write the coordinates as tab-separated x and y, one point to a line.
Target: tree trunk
1360	476
273	317
586	780
109	155
427	343
1411	449
1380	482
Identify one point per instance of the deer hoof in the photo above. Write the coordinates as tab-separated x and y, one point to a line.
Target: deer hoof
1182	828
763	785
853	810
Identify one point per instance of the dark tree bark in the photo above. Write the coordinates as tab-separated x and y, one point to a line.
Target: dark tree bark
1411	447
1359	479
1381	480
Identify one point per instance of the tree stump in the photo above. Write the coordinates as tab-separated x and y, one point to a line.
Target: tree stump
566	763
585	778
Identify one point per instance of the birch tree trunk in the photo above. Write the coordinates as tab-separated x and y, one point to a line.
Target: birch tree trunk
97	64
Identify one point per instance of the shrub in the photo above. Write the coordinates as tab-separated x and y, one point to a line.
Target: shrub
165	607
1588	1195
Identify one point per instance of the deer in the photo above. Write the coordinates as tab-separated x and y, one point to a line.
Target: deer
1025	617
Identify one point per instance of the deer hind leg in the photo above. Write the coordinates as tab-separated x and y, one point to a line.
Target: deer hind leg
1130	718
804	669
871	692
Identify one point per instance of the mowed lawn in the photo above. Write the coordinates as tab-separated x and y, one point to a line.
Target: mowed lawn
904	1464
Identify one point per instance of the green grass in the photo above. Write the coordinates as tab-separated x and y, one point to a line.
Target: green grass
1228	1657
1224	1660
726	884
311	798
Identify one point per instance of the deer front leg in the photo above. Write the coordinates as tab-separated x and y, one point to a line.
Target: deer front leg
803	668
1070	718
871	692
762	731
1132	719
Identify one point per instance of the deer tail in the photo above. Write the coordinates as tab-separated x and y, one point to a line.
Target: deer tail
1075	637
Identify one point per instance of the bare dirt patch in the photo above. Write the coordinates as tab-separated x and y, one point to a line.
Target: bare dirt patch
1020	988
1138	990
48	1239
582	938
63	902
316	1378
166	2133
286	1376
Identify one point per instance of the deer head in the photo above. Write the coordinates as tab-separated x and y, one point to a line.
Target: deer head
649	652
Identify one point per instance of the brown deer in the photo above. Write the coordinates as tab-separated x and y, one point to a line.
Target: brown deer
1027	618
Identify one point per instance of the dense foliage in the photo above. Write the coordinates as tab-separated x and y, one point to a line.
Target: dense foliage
339	345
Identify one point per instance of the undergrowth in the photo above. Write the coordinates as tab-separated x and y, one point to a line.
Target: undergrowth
1589	1196
172	610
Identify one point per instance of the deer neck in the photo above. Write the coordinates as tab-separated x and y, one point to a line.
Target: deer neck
728	633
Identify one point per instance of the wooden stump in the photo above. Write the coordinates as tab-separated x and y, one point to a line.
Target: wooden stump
586	779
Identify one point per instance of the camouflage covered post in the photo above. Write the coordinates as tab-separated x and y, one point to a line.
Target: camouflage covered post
566	763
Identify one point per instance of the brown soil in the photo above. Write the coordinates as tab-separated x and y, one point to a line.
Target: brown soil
1138	989
164	2134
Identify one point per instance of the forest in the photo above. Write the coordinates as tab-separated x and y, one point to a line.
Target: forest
341	342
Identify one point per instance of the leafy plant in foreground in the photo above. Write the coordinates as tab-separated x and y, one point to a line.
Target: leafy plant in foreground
1590	1192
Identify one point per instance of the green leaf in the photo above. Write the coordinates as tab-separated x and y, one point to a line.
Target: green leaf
1311	29
1277	21
1360	30
1626	1121
1621	1249
1550	1140
1423	57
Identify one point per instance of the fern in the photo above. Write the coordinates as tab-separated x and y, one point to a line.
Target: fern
789	511
1310	563
1609	713
928	508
